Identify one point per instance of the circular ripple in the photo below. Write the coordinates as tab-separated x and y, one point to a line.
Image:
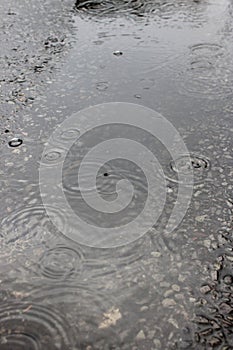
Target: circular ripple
33	327
53	156
208	73
30	226
17	341
181	166
102	85
71	176
207	50
60	263
70	134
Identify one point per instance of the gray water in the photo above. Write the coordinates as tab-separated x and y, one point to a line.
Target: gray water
164	290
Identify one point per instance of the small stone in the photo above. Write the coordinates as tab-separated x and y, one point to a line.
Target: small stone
201	218
168	293
205	289
214	275
156	254
225	308
144	308
169	190
207	243
157	343
151	335
168	302
213	342
202	320
173	322
230	258
228	279
175	287
140	335
181	278
110	318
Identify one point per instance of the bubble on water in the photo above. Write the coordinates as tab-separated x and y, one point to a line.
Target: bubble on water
15	142
181	166
118	53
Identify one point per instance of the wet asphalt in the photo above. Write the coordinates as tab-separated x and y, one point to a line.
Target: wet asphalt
164	291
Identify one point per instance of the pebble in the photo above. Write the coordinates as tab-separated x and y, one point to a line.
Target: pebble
151	335
207	243
144	308
168	293
228	279
156	254
175	287
140	335
173	322
205	289
213	342
157	343
201	218
214	275
168	302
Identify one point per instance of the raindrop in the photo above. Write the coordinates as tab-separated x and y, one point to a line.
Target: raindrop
118	53
186	163
15	142
70	134
52	156
33	327
30	226
60	263
102	85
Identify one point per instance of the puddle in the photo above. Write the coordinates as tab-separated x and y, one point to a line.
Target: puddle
165	290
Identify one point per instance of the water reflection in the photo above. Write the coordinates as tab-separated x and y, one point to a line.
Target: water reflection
190	11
